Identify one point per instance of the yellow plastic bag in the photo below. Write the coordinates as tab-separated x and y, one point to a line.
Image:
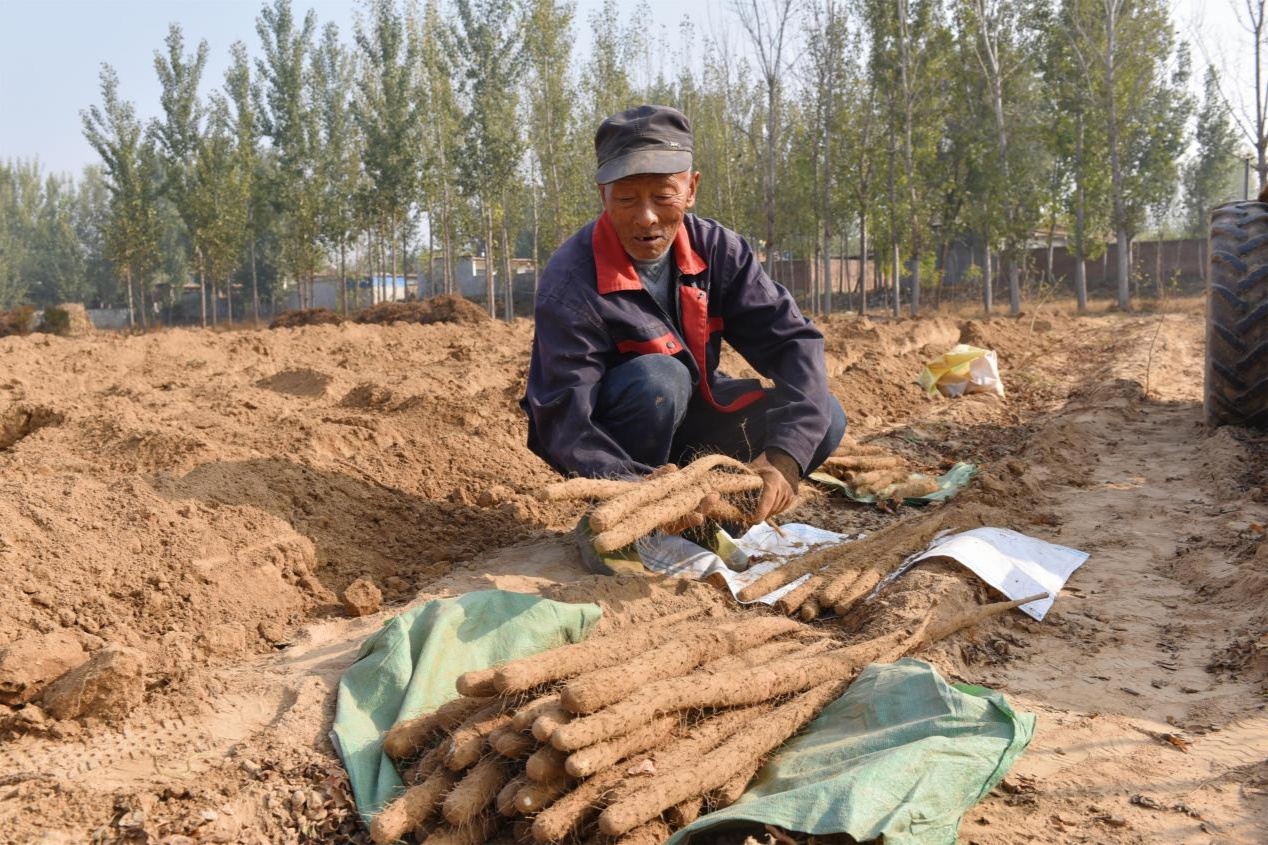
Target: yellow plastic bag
965	369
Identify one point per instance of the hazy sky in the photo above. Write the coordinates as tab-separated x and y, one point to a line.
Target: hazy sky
51	52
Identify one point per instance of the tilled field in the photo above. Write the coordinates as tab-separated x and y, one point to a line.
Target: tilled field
193	505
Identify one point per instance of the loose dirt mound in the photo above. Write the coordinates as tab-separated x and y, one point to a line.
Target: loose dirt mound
204	499
306	317
446	308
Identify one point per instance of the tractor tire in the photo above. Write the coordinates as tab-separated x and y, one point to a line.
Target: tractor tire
1237	316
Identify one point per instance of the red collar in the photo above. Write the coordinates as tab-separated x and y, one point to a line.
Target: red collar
615	271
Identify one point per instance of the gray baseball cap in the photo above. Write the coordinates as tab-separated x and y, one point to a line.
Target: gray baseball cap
646	139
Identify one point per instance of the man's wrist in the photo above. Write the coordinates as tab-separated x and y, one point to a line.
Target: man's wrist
786	464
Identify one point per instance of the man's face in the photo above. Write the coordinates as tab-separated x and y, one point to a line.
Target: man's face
647	209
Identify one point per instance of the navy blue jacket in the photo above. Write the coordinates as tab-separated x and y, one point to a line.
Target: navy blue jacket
592	314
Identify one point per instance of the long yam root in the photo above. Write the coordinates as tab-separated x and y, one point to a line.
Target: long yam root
511	744
466	744
424	766
577	807
505	802
677	657
547	765
640	523
476	832
585	488
411	809
700	689
653	832
534	797
477	684
587	761
792	601
545	725
704	495
407	737
594	653
861	463
670	787
855	589
523	718
730	791
476	792
614	511
684	812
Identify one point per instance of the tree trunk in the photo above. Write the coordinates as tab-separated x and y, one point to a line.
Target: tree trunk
489	291
202	293
1116	165
897	280
229	298
255	288
1123	259
862	263
988	283
1014	286
1080	219
145	321
508	283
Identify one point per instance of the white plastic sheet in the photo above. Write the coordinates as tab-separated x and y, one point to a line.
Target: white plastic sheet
672	555
1016	565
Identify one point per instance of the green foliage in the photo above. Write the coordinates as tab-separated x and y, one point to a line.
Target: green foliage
438	129
55	321
1214	174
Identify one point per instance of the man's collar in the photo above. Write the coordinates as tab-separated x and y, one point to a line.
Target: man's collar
615	271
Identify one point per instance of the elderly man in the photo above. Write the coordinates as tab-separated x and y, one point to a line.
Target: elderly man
631	313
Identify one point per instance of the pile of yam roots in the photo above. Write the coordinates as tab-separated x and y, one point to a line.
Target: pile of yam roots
724	489
629	735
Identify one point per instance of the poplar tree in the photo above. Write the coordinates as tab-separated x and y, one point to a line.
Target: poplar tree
341	152
386	114
132	234
288	120
486	35
177	136
557	139
1211	176
440	132
247	159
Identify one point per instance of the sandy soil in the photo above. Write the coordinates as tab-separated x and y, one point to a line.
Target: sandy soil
204	499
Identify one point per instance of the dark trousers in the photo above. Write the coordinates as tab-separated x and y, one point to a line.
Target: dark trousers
647	405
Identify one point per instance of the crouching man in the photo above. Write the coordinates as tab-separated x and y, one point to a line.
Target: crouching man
631	313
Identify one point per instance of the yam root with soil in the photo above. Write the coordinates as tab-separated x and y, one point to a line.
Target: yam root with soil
631	510
679	718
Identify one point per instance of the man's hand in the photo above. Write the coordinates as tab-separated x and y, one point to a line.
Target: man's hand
780	478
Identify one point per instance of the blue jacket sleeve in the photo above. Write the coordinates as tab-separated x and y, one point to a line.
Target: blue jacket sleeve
563	387
762	322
